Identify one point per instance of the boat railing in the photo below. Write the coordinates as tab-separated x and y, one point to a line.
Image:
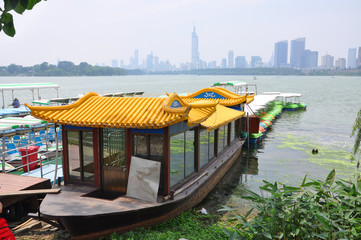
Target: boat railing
29	159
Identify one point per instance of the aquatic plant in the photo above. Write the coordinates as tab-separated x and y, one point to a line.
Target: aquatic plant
328	209
189	225
357	131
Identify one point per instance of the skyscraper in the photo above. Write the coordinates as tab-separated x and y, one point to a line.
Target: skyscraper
224	63
256	61
241	62
230	59
327	61
297	48
195	53
281	54
309	59
136	58
359	57
351	58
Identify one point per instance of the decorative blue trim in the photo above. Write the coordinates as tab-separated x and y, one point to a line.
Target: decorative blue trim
157	131
211	95
176	104
77	128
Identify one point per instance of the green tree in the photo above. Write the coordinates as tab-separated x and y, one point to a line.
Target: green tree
6	18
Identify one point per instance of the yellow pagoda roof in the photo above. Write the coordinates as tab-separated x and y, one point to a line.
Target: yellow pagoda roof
220	117
93	110
216	94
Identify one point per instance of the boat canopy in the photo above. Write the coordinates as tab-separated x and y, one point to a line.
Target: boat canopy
93	110
26	86
239	87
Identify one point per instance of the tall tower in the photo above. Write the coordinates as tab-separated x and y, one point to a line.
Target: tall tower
297	48
230	59
281	54
195	53
351	59
359	57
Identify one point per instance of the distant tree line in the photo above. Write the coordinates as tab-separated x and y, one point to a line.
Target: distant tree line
64	68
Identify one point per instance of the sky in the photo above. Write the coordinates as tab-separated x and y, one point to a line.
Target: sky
97	31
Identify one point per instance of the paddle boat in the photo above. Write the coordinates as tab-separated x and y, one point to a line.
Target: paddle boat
136	162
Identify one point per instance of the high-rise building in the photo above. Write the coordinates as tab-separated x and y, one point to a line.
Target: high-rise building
195	53
359	57
327	61
230	59
241	62
309	59
136	58
281	54
340	63
297	48
256	61
224	63
351	58
114	63
150	62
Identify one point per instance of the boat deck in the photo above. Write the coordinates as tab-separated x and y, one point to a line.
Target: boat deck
82	205
11	183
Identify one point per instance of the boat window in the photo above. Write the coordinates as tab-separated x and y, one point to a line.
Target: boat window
203	147
88	155
189	150
114	147
74	155
206	147
221	139
150	147
80	156
141	146
182	156
176	158
211	144
156	148
233	131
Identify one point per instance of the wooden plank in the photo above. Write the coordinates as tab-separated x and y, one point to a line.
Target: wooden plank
29	192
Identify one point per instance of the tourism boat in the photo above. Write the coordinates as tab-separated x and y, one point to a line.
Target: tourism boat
135	162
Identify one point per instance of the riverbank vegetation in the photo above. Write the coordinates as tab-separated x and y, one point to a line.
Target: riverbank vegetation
327	209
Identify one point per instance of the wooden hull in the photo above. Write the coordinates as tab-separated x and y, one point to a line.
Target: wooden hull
93	226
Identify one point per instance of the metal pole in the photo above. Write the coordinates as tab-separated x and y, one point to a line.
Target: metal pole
2	91
3	153
56	154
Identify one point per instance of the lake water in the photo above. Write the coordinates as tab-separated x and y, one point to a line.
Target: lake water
285	154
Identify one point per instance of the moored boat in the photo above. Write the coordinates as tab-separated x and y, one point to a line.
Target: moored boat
131	162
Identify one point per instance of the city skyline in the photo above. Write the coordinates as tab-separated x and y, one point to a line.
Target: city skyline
98	33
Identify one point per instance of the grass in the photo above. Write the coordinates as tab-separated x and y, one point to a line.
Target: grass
189	225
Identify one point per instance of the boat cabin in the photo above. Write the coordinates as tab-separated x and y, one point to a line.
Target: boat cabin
179	136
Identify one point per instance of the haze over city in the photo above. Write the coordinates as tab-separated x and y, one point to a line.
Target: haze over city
99	31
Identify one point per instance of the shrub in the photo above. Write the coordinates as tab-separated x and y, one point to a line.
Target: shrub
329	209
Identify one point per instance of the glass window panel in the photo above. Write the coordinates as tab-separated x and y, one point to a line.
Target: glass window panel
225	141
189	163
88	155
140	146
176	158
233	130
220	138
114	147
211	144
203	147
74	155
156	148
